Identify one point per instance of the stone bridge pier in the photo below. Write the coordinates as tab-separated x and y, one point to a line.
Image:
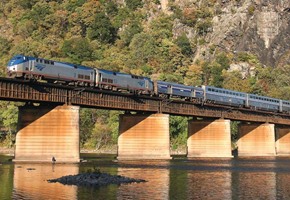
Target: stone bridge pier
256	139
209	138
143	137
48	131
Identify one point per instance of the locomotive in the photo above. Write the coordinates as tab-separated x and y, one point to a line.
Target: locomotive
32	68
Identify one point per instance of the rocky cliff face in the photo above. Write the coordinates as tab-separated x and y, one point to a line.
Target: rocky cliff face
261	27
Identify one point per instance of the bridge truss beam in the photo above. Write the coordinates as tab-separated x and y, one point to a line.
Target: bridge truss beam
38	92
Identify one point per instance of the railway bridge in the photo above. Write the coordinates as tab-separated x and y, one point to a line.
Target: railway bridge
51	129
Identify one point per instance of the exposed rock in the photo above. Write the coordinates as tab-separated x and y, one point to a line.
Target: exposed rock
244	68
94	179
256	26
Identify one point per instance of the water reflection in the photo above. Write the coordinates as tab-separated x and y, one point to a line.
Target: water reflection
156	174
207	185
249	184
30	181
249	178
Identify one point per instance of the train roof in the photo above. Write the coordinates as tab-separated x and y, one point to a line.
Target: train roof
122	74
176	84
17	59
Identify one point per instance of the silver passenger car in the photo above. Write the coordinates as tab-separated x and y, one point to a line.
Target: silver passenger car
178	90
224	96
121	81
263	103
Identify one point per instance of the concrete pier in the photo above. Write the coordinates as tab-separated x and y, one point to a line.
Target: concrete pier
45	132
143	137
283	141
256	140
209	138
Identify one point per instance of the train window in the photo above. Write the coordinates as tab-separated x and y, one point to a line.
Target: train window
110	80
51	62
87	77
36	59
80	76
105	80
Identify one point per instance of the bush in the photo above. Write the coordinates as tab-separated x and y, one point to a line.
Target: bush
134	4
184	44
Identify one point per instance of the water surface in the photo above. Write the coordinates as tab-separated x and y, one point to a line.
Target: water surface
180	178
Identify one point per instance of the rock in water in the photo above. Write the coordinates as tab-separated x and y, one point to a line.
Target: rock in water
94	179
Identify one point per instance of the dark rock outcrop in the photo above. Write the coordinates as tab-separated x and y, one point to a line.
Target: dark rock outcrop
94	179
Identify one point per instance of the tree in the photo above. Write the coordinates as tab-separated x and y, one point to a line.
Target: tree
178	131
87	122
129	31
184	44
77	49
102	29
9	118
5	46
143	47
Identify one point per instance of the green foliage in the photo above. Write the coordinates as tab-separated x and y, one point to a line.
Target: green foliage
251	9
5	46
178	131
9	118
129	31
234	131
143	47
77	49
111	8
74	4
98	128
87	121
171	78
184	44
247	57
102	29
27	4
39	11
134	4
203	27
223	60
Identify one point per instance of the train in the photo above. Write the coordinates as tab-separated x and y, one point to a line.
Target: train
33	68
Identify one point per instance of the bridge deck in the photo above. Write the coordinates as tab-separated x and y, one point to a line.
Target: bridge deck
25	91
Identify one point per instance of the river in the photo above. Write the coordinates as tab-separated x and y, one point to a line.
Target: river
179	178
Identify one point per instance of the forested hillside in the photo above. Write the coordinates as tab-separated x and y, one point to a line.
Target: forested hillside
230	44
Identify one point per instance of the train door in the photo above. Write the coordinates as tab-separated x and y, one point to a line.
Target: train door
193	93
30	65
146	84
247	101
98	78
169	89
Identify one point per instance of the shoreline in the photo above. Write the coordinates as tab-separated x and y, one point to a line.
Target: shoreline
112	151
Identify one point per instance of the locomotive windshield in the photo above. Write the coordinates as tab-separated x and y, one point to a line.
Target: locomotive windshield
17	60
